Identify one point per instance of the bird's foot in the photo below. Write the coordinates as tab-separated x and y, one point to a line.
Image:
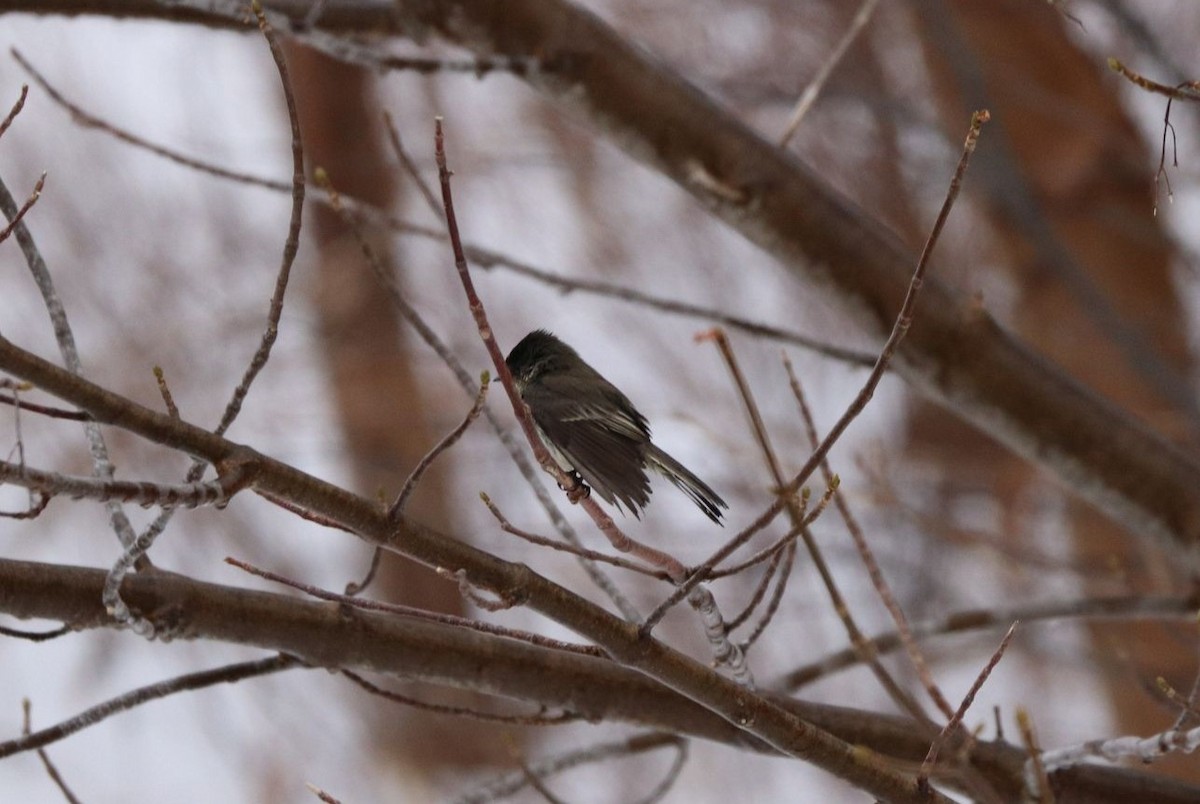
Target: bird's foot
578	490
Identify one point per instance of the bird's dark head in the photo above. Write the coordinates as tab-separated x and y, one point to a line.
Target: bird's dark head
539	353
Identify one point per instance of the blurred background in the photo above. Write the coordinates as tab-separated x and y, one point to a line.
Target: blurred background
158	264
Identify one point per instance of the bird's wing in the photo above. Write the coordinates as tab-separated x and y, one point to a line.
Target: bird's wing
605	442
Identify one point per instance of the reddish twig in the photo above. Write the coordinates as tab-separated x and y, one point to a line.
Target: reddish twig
448	441
590	555
955	722
32	199
15	110
599	516
409	611
44	410
439	347
460	711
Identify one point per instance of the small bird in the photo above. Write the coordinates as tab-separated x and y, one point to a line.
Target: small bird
592	429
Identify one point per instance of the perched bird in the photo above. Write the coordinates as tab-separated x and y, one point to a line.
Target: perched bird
593	429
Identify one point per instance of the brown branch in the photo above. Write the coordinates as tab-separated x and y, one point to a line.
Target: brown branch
1188	90
450	439
291	243
955	722
32	199
506	579
1114	609
410	611
15	110
459	711
320	635
590	555
45	410
439	347
604	522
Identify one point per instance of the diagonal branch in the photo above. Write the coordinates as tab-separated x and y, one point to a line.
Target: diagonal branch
957	355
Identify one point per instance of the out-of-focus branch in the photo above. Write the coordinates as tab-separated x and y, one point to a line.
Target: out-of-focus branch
957	354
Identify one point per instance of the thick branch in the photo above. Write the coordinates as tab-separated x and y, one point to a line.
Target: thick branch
325	636
516	582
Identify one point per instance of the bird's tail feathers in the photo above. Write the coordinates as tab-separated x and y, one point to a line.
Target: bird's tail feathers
704	497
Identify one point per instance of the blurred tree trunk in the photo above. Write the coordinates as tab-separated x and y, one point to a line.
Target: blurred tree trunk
1068	180
383	413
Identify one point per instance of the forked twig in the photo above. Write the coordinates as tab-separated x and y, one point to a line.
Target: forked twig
899	330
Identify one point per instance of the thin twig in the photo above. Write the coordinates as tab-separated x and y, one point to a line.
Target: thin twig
32	199
760	589
44	410
51	770
122	703
788	557
583	552
414	479
483	257
419	614
599	516
164	390
291	244
460	711
502	601
448	441
324	797
809	96
899	330
1118	609
532	778
515	451
512	783
953	724
410	167
1188	90
101	465
144	493
1187	706
1037	781
15	110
